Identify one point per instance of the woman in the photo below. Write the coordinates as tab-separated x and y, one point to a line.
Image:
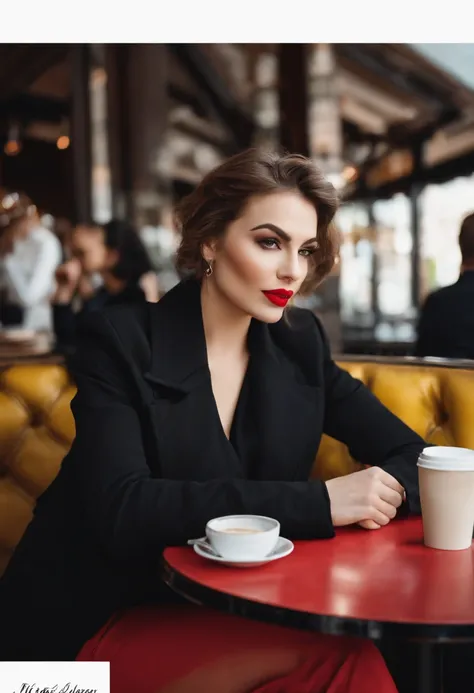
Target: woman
29	256
210	402
109	266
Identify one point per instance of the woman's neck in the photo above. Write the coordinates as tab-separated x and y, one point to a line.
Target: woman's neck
225	326
112	284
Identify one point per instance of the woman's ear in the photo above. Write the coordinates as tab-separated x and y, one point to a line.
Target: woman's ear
208	250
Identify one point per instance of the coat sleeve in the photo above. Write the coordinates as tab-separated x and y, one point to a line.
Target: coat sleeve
374	435
133	513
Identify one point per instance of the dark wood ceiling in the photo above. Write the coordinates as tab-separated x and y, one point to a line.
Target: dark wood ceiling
22	64
389	92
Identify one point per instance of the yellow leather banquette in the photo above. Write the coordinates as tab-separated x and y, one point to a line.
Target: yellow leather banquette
36	426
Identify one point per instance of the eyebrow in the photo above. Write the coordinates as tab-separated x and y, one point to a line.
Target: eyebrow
282	234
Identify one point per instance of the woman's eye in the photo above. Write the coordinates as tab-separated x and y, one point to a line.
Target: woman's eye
269	243
306	252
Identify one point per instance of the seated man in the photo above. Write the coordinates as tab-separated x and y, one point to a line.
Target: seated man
446	325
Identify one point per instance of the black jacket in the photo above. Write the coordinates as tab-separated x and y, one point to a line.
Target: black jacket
150	466
66	320
446	325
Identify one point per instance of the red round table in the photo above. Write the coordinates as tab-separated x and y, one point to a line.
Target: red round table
374	584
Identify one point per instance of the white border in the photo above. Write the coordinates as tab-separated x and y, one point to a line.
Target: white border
245	21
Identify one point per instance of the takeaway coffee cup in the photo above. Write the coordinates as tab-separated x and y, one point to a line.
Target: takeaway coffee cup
446	478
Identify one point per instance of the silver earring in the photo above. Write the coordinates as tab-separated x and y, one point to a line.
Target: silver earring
208	271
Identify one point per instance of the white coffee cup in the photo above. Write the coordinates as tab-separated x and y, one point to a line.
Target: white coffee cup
446	479
243	537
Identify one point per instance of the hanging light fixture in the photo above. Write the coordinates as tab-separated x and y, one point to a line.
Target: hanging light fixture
63	140
13	144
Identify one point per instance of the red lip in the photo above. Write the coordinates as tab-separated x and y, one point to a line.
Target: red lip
278	297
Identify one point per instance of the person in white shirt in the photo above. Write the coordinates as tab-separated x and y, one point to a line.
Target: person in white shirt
29	257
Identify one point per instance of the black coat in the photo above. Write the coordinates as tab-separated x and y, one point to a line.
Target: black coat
446	325
150	464
66	320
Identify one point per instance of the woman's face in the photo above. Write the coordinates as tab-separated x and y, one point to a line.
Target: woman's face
89	248
264	256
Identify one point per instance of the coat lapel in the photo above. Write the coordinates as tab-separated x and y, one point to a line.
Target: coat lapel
187	433
289	409
178	347
185	426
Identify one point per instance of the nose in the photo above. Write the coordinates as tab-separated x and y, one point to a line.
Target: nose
292	267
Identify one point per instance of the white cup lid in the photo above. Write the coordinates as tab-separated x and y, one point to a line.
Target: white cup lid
445	458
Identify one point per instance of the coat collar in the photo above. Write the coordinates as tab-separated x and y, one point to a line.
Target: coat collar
178	345
284	398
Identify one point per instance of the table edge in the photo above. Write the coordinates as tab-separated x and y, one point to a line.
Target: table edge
202	595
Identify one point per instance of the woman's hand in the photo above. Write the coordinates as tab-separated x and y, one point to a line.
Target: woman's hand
67	278
85	287
150	286
370	498
369	524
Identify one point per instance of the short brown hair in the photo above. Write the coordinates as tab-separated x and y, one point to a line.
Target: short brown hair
466	238
223	193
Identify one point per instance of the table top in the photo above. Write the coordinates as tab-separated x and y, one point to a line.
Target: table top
36	350
370	583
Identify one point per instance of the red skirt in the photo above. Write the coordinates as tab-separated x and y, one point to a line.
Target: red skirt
189	649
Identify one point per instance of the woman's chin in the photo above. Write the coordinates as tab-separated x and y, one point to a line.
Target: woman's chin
269	315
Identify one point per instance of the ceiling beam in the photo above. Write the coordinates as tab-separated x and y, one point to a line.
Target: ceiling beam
403	134
410	85
225	106
441	173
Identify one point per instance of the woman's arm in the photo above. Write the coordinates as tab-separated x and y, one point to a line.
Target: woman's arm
373	434
68	282
134	514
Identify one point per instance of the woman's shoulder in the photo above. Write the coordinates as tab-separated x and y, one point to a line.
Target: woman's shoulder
122	327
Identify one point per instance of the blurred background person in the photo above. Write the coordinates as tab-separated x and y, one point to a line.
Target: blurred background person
29	257
63	229
446	325
109	265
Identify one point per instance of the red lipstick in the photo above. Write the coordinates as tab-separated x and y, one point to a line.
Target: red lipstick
279	297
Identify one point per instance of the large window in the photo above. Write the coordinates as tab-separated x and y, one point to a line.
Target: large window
394	247
355	288
441	209
376	258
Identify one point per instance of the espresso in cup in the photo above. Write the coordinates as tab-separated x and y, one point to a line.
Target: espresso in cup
446	478
243	537
241	530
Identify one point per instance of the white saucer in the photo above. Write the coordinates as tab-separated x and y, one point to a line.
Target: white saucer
283	548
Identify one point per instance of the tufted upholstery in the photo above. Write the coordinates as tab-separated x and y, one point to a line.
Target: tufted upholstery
36	430
437	402
36	426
